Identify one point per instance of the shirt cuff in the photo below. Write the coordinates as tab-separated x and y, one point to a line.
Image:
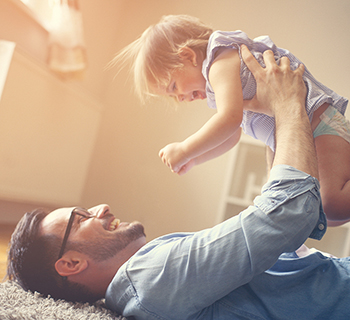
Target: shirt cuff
286	182
283	171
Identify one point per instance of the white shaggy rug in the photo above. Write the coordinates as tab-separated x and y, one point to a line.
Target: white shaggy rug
17	304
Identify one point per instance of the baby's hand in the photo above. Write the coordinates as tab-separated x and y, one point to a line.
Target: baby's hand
186	167
173	156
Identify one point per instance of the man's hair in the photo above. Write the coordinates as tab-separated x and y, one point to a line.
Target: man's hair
31	261
155	54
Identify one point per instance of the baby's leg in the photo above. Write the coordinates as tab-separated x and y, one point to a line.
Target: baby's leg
333	152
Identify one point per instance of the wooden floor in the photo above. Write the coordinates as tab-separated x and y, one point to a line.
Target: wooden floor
5	235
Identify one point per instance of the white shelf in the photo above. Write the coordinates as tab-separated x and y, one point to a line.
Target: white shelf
238	201
245	176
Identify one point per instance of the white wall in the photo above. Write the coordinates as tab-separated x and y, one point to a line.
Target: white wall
125	170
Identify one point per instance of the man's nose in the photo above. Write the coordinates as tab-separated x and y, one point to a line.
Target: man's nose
102	210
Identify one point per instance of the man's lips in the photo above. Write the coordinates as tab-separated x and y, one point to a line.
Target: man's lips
113	224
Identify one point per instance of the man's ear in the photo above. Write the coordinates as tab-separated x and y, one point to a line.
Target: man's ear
71	263
187	53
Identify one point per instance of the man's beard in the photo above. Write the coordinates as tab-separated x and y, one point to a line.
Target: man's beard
101	249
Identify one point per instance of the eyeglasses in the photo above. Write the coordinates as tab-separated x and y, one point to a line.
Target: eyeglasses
76	211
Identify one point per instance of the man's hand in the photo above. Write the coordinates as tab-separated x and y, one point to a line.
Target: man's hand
276	84
282	91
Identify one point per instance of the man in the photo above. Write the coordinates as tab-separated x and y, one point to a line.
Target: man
218	273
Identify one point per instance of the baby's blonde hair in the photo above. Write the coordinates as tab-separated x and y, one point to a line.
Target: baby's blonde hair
155	54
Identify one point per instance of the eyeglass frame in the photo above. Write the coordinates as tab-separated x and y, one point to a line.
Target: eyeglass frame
84	213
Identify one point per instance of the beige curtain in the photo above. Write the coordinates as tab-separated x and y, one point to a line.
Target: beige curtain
67	53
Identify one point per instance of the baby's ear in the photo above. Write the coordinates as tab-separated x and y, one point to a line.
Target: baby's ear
186	53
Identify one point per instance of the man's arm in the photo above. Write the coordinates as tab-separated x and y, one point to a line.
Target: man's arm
283	94
211	263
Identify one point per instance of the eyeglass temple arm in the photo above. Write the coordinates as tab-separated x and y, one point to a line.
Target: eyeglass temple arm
65	238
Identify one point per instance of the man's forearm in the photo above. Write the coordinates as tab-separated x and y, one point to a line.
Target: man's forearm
294	140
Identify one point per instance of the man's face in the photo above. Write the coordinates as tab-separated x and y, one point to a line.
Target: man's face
101	237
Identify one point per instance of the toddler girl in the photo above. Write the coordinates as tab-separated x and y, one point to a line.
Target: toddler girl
183	58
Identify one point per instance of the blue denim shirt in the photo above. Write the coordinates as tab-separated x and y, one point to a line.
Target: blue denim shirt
201	275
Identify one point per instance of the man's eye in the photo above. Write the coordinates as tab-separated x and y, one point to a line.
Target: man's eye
82	219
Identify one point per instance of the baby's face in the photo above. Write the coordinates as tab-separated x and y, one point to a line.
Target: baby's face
186	83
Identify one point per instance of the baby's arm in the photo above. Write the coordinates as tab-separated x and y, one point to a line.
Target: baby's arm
213	153
224	77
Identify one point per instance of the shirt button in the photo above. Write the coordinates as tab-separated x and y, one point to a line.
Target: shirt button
321	226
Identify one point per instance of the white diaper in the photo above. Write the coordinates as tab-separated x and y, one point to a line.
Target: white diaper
333	123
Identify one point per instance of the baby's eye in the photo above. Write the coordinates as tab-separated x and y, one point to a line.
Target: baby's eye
174	86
